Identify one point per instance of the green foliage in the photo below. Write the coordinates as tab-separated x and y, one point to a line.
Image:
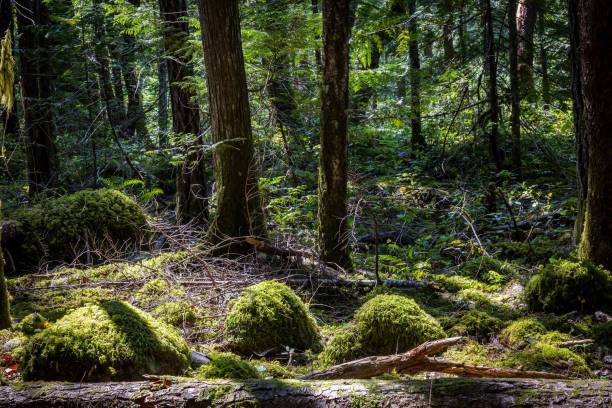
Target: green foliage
227	366
602	334
488	269
61	228
106	341
568	285
385	324
476	296
270	315
522	332
477	324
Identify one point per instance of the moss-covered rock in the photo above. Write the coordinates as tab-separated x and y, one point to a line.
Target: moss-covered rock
522	332
480	325
542	356
106	341
228	366
567	285
267	316
59	229
386	324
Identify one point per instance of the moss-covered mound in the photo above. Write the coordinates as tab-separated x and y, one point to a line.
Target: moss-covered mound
542	356
566	285
106	341
267	316
522	332
386	324
477	324
228	366
59	229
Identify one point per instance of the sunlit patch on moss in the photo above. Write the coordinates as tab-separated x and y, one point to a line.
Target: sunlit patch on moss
542	356
522	332
227	366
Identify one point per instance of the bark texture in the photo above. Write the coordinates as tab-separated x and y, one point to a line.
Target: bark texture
417	138
191	183
514	90
491	70
333	163
442	392
239	210
526	15
596	76
33	18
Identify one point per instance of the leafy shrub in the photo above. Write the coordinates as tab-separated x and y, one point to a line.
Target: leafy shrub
61	228
522	332
477	324
386	324
228	366
567	285
270	315
106	341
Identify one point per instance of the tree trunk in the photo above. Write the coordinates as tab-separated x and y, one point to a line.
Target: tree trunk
417	139
162	108
491	69
595	49
33	19
514	90
5	303
543	54
526	15
191	183
10	120
578	106
462	32
239	210
447	9
441	392
315	10
333	163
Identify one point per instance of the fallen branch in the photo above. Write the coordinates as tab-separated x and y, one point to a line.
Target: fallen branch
417	360
572	343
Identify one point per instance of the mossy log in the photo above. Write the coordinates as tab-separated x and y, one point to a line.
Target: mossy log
443	392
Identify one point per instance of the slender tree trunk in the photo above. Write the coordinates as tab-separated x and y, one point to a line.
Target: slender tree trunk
33	19
417	138
315	11
10	120
239	211
191	183
514	89
491	69
136	121
595	49
447	8
578	106
333	163
162	109
462	32
526	16
543	54
117	80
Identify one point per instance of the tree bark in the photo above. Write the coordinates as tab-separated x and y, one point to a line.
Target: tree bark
10	120
526	16
333	163
514	90
447	8
162	108
596	74
191	183
491	70
417	139
441	392
239	210
543	54
33	18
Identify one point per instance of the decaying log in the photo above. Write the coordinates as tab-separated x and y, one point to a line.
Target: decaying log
417	360
441	392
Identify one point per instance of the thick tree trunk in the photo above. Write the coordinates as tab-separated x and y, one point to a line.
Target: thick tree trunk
10	120
239	210
441	392
594	19
526	15
33	19
333	163
417	138
514	90
578	105
491	70
191	183
447	8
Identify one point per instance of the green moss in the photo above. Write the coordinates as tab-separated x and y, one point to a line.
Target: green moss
273	369
107	341
59	229
473	295
159	291
567	285
522	332
554	337
602	334
488	269
227	366
542	356
455	283
386	324
176	313
470	353
32	324
477	324
270	315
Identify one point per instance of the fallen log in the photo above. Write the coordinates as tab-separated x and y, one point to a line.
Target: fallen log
440	392
417	360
